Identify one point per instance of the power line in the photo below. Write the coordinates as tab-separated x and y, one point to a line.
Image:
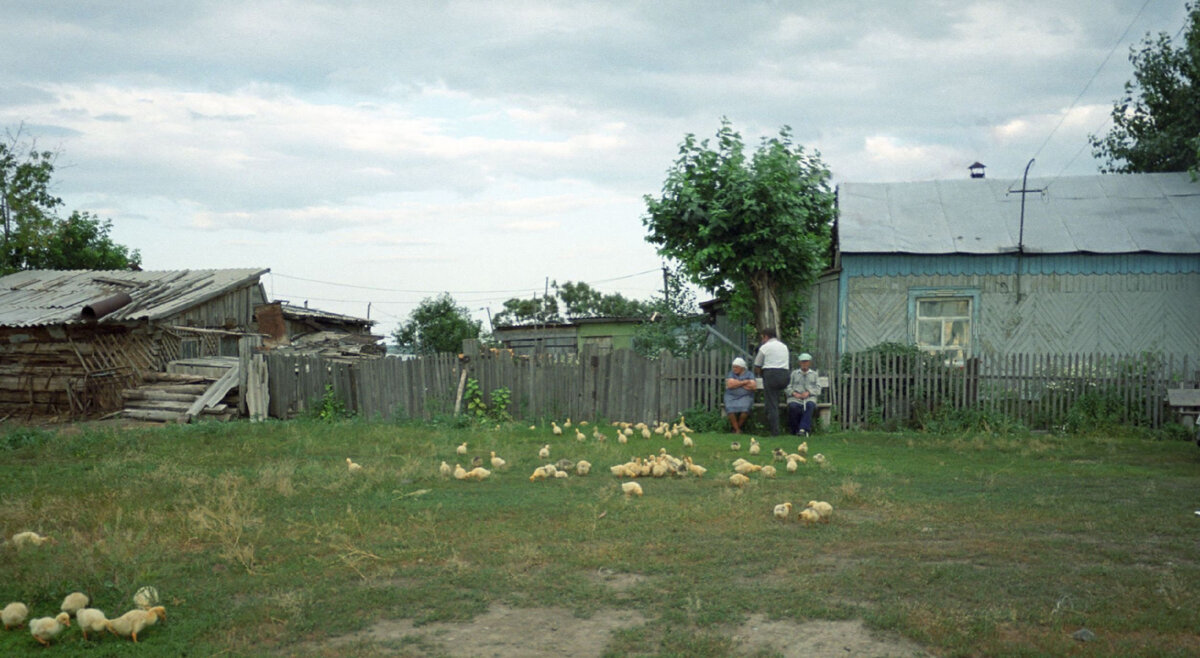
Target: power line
452	292
1093	78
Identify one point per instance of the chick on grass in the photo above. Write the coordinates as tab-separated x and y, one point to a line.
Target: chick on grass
823	509
14	615
29	538
74	602
631	489
353	467
91	619
133	622
783	511
738	480
46	629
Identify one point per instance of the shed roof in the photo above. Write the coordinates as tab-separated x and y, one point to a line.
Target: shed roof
50	297
293	312
1126	213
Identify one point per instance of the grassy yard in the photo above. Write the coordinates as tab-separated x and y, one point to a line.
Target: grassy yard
261	542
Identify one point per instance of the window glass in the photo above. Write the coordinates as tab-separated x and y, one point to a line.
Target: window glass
943	326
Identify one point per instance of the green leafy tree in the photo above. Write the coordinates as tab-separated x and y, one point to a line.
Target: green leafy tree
35	237
528	311
437	325
675	324
1156	123
578	299
752	231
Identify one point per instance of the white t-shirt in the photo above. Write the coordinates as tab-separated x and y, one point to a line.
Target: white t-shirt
772	354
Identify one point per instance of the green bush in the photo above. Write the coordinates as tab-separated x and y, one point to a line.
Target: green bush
703	419
330	407
1095	411
960	421
23	437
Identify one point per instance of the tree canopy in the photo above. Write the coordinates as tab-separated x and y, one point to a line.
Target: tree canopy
438	324
752	231
1156	123
578	299
35	236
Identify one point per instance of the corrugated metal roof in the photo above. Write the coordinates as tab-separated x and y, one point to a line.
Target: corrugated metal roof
49	297
292	311
1123	213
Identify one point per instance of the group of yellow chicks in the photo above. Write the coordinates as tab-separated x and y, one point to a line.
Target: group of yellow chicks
47	629
816	510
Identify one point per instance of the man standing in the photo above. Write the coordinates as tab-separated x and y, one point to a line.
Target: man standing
802	393
771	363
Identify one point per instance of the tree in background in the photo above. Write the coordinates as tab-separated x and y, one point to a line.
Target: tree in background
437	325
579	301
675	324
754	232
35	237
1156	124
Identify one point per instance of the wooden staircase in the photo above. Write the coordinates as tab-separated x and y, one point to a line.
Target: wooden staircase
181	398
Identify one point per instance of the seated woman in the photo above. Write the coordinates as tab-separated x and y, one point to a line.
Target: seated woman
739	394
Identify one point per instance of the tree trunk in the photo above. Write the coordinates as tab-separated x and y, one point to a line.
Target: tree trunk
766	303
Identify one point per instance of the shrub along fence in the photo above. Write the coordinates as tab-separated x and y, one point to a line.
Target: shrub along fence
867	390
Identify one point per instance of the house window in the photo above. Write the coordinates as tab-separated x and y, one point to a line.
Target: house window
942	325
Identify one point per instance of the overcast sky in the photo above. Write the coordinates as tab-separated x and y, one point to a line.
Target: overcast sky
374	151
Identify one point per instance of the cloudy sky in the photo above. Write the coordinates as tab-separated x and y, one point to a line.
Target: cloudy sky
379	152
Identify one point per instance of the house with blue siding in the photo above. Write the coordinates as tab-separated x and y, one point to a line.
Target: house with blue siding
973	267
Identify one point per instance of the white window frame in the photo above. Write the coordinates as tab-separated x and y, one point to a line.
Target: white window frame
955	354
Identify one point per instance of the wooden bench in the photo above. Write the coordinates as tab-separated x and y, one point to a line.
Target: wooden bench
1185	402
824	410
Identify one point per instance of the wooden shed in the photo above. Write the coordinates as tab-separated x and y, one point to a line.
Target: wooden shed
1107	264
71	341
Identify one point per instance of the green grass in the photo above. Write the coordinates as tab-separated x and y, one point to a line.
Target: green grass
260	541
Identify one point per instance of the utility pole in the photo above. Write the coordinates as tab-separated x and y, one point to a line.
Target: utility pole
1021	231
666	287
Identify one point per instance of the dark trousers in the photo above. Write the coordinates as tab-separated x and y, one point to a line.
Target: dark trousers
800	415
774	381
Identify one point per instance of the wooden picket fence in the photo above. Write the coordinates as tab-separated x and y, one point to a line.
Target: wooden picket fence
616	385
865	390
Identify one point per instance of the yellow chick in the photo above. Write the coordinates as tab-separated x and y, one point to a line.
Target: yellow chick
568	423
694	469
353	468
797	458
791	467
735	446
738	480
45	629
544	453
779	454
754	447
497	462
631	488
582	423
14	615
822	508
478	473
555	428
819	458
768	471
747	467
133	622
802	448
583	467
90	619
462	449
29	538
539	473
627	430
532	428
579	436
809	516
445	469
783	511
74	602
551	469
645	432
622	439
562	475
598	435
460	473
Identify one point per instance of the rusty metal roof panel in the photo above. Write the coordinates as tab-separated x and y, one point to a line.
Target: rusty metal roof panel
1126	213
51	297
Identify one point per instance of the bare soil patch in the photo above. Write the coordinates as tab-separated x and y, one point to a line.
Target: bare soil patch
504	632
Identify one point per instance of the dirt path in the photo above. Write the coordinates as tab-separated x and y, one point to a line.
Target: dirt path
504	632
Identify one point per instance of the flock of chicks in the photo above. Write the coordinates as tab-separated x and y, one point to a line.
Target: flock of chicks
659	465
47	629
